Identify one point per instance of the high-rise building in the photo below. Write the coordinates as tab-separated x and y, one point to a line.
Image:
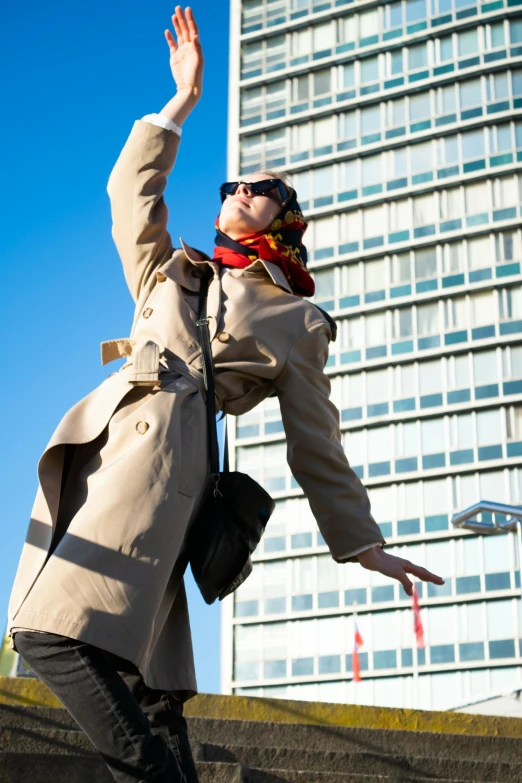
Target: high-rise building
400	125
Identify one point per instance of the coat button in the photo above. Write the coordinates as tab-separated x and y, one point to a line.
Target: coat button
223	337
147	312
142	427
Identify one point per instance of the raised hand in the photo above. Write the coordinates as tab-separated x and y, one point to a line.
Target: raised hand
377	559
186	56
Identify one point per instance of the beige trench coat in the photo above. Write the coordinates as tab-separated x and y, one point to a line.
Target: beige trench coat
112	580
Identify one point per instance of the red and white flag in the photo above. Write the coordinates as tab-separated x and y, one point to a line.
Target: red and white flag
356	664
417	622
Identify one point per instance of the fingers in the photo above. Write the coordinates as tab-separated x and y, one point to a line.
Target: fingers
182	22
192	22
177	28
170	40
422	573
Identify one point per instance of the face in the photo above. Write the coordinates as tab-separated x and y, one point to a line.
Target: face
245	212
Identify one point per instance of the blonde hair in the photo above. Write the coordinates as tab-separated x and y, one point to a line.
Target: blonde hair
282	175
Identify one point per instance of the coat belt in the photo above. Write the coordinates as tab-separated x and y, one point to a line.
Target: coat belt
149	361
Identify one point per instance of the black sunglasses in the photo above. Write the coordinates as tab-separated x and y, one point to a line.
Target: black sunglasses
261	188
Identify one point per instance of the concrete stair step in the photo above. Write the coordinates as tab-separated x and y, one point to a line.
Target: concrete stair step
291	735
394	766
44	768
287	776
351	739
53	741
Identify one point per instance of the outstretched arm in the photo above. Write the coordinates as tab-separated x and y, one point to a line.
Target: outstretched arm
337	497
139	177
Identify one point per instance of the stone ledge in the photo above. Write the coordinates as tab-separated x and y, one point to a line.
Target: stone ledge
31	692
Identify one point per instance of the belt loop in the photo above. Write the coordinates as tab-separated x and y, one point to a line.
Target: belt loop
146	363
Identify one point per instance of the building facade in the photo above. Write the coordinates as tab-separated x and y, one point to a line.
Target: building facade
400	125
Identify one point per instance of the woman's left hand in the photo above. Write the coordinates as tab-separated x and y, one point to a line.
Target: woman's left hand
376	559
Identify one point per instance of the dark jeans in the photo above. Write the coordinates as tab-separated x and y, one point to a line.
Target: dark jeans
139	732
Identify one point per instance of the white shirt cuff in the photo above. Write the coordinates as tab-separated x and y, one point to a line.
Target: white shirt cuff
163	122
358	551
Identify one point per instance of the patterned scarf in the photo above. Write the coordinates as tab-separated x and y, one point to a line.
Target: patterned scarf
280	243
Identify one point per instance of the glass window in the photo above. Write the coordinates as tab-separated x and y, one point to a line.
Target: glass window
324	230
425	263
324	36
488	427
371	171
445	48
455	313
379	444
485	367
375	329
328	574
302	185
396	62
467	42
321	82
446	99
419	106
323	181
516	81
369	23
402	322
324	285
428	319
442	624
347	127
324	131
435	497
497	34
430	376
421	156
376	386
417	56
347	32
432	436
447	150
479	254
483	308
348	75
371	119
374	275
515	31
439	558
500	619
470	93
477	201
301	42
415	10
497	555
369	69
385	630
393	15
424	210
462	431
473	144
401	267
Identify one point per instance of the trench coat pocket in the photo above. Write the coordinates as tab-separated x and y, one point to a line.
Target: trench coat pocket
187	451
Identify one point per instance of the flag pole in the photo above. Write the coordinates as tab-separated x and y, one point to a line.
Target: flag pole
415	675
418	632
355	694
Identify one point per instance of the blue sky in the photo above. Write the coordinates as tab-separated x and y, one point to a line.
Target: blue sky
78	75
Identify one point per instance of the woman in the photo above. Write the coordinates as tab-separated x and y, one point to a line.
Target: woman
98	606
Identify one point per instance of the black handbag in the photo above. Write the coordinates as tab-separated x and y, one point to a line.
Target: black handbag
233	510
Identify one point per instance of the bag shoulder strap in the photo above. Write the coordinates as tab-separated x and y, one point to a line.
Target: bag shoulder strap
208	378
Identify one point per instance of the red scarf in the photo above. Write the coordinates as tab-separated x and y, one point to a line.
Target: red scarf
280	244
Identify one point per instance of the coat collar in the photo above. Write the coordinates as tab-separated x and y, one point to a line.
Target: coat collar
275	272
